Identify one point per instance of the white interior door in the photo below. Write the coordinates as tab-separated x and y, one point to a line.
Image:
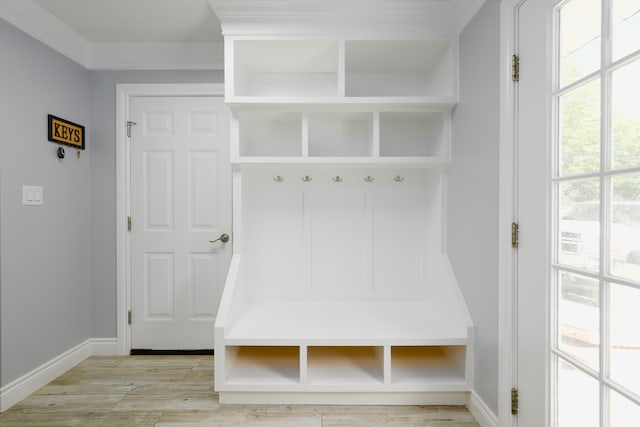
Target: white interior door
180	201
532	212
579	213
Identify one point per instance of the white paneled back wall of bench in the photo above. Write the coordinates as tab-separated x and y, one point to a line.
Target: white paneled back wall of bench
340	289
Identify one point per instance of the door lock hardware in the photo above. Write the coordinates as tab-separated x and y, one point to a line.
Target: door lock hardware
224	238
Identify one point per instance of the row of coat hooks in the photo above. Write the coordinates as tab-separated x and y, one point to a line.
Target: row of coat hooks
337	178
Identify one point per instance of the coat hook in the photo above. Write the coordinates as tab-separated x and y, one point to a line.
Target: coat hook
338	178
306	178
398	178
369	179
278	178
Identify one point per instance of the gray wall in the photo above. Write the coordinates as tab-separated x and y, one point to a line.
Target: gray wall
45	251
103	182
473	191
58	268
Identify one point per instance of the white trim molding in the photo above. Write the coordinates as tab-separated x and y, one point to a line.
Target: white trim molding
157	56
37	378
124	93
481	412
408	18
34	20
507	375
30	17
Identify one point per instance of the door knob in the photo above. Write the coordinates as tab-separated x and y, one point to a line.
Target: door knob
224	238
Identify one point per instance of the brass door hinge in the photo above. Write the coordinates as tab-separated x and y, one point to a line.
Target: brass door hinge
129	317
515	68
514	401
129	223
515	234
129	124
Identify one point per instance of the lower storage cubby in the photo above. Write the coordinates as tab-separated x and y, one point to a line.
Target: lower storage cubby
361	365
257	365
427	364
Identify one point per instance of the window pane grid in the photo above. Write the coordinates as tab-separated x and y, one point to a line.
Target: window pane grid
597	140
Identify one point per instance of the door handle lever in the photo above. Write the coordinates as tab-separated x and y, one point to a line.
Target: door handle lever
224	238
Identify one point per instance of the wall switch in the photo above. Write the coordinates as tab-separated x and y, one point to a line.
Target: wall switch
32	195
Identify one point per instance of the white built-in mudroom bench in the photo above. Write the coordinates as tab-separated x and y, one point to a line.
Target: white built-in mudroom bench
340	289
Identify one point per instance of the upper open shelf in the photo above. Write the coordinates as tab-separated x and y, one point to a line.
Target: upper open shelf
394	137
342	71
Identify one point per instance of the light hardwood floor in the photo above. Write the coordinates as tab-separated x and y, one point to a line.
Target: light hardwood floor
177	391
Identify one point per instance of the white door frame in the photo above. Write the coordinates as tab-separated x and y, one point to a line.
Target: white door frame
124	93
507	256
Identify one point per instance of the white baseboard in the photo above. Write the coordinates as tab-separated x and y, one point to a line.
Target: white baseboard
31	382
481	411
343	398
104	346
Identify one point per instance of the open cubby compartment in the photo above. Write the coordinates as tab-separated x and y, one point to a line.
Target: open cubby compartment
345	365
340	134
412	134
256	365
270	134
401	68
282	68
415	365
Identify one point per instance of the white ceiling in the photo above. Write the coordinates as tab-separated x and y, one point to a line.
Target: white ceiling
186	34
137	20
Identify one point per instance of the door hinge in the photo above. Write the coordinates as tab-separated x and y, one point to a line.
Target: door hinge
514	401
129	223
129	317
515	234
129	124
515	68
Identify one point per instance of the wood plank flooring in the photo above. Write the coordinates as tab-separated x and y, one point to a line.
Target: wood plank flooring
169	391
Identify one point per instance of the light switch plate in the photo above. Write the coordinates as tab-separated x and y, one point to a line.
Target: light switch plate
32	195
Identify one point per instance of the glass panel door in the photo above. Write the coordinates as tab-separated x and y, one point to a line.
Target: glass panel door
595	348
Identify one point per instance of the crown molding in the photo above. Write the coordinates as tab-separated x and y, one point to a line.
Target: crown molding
29	17
34	20
346	18
157	56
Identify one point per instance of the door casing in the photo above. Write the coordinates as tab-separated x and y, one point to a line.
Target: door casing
124	93
508	196
507	215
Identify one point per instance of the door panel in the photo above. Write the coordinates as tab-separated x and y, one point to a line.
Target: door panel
579	214
532	212
180	201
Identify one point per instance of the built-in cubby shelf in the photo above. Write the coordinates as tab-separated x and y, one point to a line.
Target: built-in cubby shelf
416	365
396	68
414	137
339	289
346	365
281	68
317	70
270	134
247	365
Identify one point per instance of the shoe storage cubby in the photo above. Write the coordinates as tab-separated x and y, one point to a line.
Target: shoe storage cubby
350	365
250	365
414	365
